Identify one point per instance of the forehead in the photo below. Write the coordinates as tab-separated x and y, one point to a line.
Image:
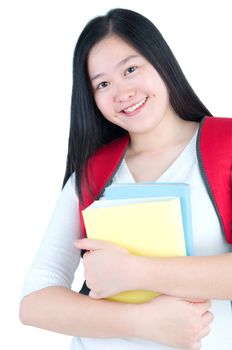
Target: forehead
108	52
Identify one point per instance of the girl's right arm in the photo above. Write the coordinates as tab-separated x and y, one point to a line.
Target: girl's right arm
47	299
166	319
62	310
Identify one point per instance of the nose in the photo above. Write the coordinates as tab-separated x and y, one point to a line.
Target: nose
123	92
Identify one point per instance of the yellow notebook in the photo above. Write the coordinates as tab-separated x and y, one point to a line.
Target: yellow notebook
148	227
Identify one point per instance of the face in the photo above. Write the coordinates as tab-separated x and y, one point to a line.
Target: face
127	89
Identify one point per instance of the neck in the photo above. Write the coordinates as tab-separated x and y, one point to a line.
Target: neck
169	131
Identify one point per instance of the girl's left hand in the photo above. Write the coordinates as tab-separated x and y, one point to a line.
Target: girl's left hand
106	267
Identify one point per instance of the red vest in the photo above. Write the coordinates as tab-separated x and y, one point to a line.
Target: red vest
214	152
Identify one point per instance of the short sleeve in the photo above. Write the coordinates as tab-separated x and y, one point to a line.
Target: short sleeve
57	259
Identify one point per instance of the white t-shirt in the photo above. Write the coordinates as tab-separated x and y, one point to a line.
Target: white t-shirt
57	259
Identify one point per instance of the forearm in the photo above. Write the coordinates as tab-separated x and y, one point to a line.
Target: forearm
189	277
64	311
165	319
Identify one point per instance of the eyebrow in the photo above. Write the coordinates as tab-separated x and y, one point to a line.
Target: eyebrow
121	63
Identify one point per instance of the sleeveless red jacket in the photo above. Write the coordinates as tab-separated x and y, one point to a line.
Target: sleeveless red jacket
214	152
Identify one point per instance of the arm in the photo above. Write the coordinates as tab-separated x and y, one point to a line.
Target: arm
207	277
189	277
49	303
47	299
64	311
168	320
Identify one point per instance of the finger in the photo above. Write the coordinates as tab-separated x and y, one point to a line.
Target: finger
196	300
94	295
203	333
91	244
196	346
202	307
88	252
207	318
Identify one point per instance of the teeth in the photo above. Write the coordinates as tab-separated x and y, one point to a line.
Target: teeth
137	105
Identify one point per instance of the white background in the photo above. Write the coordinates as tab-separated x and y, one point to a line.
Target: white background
37	39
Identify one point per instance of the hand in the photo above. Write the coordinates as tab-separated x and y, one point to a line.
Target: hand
174	321
105	267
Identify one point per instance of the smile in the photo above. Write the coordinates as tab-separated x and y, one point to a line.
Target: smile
135	106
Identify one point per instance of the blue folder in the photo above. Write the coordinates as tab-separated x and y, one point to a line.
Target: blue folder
145	190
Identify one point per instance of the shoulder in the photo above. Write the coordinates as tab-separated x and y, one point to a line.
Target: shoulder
216	128
101	166
220	122
110	150
117	143
214	139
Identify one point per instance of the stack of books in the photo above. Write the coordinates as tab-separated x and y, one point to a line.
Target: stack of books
149	219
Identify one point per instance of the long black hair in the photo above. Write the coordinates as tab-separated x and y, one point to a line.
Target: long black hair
88	128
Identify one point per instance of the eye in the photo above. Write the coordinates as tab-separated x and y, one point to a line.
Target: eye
103	85
130	70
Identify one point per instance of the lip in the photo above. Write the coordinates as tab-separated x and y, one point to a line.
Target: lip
137	110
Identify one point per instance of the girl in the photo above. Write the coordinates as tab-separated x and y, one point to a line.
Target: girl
127	81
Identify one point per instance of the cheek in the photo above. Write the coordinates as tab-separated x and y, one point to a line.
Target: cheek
103	104
162	92
155	84
165	95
